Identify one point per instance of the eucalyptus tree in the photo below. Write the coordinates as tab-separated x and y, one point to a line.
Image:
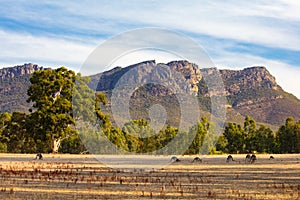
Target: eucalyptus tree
288	136
4	120
51	94
234	135
14	134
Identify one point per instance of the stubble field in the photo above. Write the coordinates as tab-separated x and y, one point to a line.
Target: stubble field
65	176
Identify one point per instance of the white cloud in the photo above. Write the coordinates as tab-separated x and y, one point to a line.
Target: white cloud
22	48
71	30
274	24
159	40
283	9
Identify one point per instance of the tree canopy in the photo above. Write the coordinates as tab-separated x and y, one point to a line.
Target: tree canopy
51	94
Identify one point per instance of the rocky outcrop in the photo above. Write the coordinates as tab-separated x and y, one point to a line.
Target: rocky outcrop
190	71
252	91
20	70
150	71
237	80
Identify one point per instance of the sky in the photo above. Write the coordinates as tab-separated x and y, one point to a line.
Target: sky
235	34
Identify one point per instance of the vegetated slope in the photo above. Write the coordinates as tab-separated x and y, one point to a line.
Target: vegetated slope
14	82
13	94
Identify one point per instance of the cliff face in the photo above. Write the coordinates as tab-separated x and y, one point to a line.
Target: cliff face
20	70
250	84
252	91
236	82
109	79
253	77
190	71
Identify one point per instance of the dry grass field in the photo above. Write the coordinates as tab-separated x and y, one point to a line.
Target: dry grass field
83	177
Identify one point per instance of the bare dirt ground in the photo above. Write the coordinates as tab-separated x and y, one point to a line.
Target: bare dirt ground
65	176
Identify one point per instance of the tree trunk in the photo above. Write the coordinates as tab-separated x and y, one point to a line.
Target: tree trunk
55	145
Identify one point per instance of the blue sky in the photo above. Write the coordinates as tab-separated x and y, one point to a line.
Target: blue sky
235	34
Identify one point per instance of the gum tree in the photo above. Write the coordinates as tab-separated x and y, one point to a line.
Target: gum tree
51	94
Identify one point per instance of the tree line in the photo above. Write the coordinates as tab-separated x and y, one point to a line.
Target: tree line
50	126
250	138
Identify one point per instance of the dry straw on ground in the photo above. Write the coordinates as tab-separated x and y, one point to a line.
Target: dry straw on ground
83	177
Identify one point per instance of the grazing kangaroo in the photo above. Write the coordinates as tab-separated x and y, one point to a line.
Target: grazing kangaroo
175	159
248	158
271	158
253	158
39	156
197	159
229	158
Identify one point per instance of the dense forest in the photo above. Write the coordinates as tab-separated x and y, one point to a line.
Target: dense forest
50	125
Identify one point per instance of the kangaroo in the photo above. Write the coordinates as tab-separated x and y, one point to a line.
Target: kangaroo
197	159
229	158
253	158
39	156
175	159
248	158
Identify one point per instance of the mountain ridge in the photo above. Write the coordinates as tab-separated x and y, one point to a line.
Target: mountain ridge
252	91
19	70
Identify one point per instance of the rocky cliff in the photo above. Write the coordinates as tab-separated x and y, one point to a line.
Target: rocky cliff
20	70
252	91
239	80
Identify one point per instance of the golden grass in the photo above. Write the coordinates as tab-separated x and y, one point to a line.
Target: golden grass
83	177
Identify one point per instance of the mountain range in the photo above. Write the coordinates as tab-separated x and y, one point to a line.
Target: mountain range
252	91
